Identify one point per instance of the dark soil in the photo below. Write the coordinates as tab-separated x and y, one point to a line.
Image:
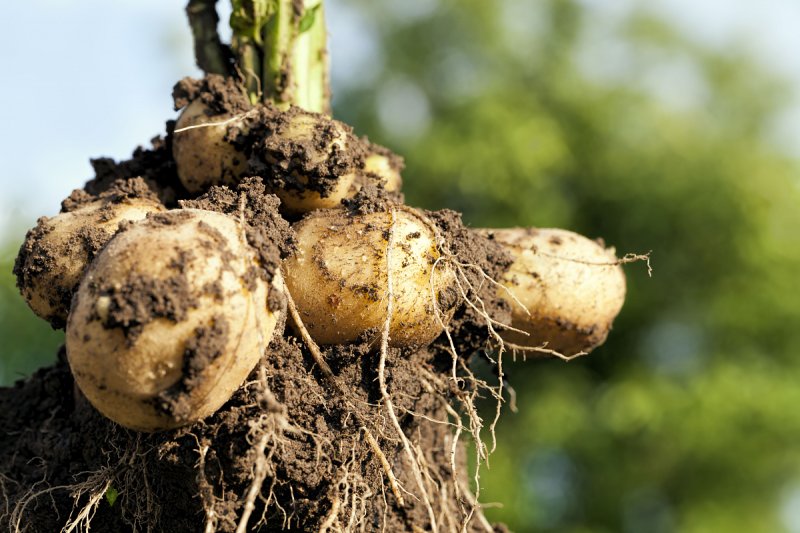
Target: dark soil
299	447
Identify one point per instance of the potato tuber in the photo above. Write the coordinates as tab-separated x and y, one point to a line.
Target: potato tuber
572	286
339	276
58	250
169	320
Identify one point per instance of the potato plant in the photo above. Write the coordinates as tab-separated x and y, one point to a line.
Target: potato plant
279	342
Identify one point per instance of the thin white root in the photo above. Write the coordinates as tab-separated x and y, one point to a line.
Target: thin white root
387	400
543	349
387	468
84	518
627	258
327	524
259	474
220	123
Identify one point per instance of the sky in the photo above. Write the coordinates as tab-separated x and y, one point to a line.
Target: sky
91	78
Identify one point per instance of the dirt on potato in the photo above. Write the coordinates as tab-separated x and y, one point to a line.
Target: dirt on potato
323	450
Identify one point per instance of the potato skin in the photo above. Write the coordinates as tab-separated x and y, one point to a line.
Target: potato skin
572	286
170	319
338	277
58	250
203	156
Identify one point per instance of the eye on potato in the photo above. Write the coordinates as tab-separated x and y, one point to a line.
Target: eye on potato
58	250
338	277
572	286
169	320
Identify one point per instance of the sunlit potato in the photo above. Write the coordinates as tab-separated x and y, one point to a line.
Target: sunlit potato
58	251
202	148
572	286
169	320
339	276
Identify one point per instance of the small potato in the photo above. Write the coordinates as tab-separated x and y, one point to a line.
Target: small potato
572	286
313	160
58	250
383	167
204	155
338	278
169	320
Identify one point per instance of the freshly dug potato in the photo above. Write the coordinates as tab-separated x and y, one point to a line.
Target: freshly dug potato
338	278
313	160
572	286
382	167
58	250
204	155
169	320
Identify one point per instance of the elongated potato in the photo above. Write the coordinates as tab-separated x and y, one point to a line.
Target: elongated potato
338	278
169	320
58	250
572	286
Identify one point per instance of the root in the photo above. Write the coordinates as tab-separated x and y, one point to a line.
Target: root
387	400
234	118
268	429
122	476
627	258
516	348
387	468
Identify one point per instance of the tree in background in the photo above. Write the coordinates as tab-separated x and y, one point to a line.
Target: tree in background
686	419
517	112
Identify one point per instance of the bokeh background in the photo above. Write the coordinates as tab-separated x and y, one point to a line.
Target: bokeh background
671	126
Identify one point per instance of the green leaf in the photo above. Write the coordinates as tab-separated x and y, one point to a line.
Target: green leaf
308	19
111	495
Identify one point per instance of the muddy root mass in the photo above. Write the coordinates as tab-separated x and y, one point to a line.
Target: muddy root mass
312	447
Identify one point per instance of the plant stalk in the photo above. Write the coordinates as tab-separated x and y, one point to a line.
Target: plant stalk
279	47
211	55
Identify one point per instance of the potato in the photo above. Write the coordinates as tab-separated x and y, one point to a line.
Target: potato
169	320
381	166
58	250
573	287
338	278
204	155
313	158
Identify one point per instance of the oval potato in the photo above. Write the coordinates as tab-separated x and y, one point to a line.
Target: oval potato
338	278
58	250
169	320
572	286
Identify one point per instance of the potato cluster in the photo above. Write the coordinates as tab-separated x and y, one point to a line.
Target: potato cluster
168	308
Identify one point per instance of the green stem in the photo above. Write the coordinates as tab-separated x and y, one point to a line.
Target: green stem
278	43
310	60
280	47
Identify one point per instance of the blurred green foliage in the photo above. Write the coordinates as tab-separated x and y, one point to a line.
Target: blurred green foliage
542	113
26	342
546	114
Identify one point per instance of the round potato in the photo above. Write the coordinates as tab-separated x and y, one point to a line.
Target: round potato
313	160
204	155
58	250
572	286
169	320
339	276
